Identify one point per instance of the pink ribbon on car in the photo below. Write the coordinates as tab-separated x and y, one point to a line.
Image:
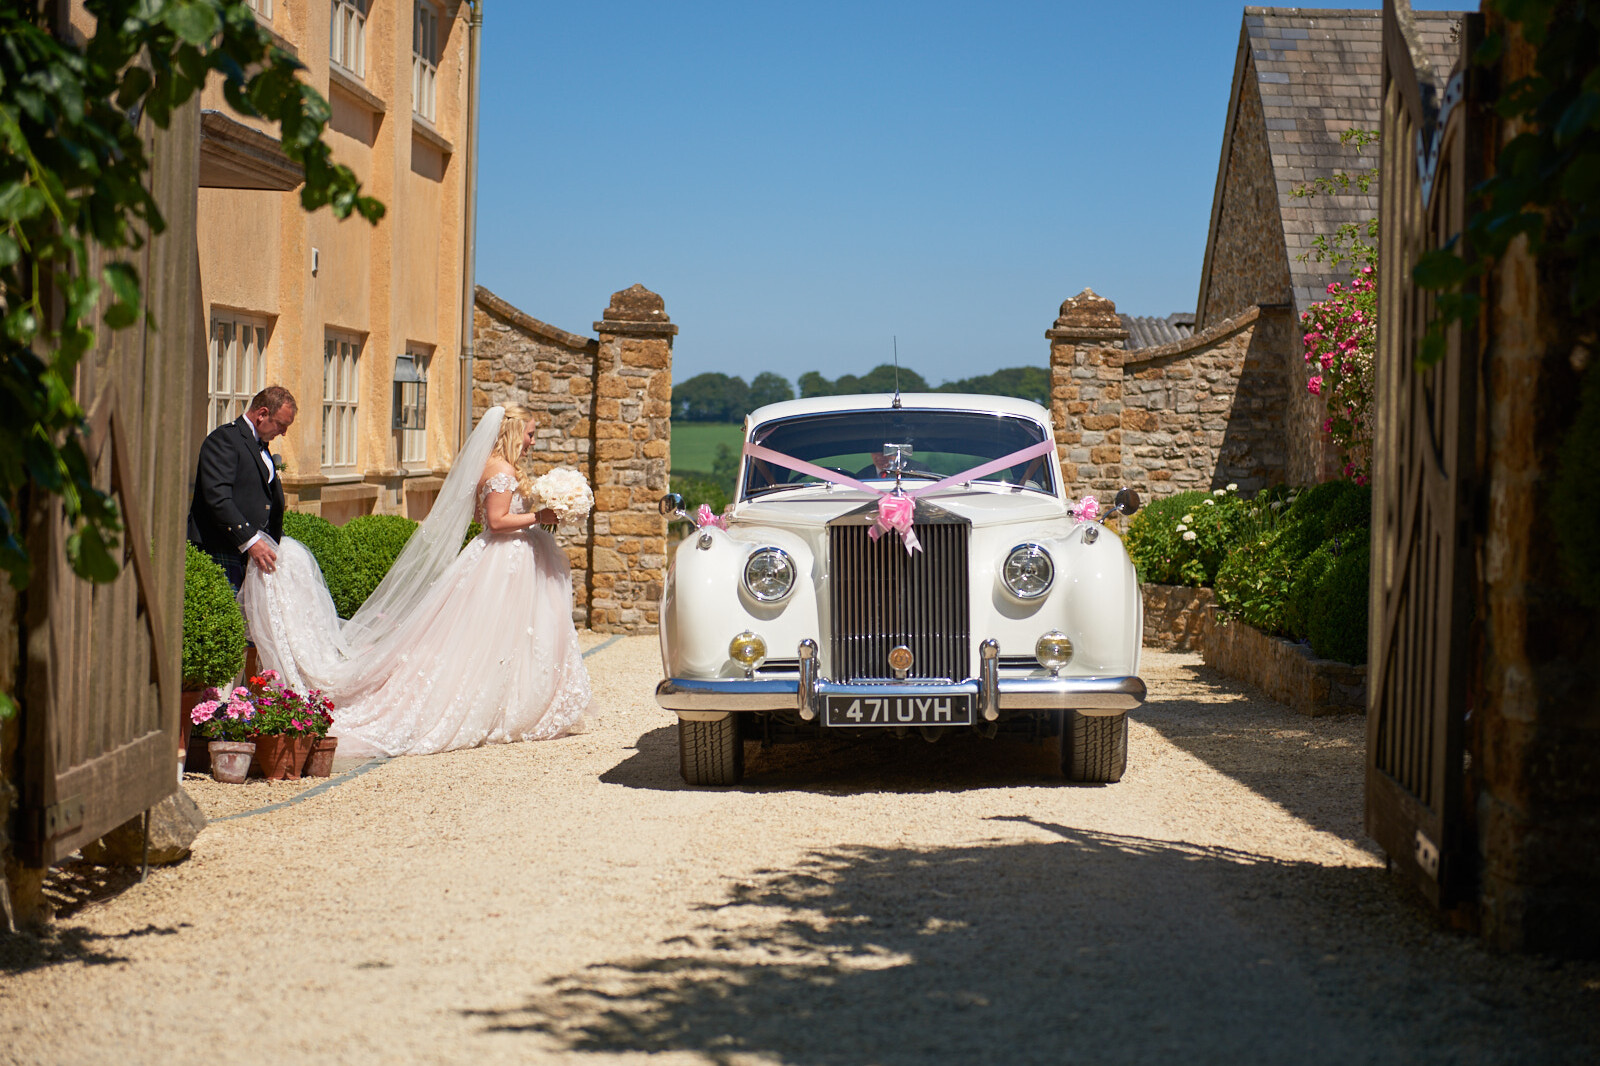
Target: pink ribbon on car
896	509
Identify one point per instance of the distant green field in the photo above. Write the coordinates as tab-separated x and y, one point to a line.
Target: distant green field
694	444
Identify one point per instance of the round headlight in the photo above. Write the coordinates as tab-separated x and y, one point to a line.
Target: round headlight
747	649
1028	571
769	574
1053	650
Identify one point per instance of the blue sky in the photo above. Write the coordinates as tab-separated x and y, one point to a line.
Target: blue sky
805	183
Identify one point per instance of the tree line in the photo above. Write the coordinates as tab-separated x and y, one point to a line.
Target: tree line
717	397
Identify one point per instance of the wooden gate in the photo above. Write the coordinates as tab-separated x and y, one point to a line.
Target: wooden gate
1424	472
100	665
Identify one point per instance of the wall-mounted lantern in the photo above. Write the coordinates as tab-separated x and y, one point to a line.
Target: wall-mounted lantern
410	393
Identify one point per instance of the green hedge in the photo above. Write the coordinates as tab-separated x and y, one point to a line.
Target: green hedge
1183	539
213	628
353	558
1303	576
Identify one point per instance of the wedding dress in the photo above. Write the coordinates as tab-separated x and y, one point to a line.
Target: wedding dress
453	649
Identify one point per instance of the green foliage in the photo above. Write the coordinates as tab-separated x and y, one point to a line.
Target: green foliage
1355	243
767	387
881	378
373	542
696	490
74	193
1276	580
1546	180
1023	382
1183	539
711	397
1338	623
1575	496
213	628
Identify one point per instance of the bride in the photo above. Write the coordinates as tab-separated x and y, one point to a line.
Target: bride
453	648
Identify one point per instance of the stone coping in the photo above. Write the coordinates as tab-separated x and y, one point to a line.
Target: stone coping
544	331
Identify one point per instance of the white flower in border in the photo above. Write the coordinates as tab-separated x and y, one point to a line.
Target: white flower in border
1276	504
1188	518
1180	528
1189	535
1210	503
1233	486
1219	492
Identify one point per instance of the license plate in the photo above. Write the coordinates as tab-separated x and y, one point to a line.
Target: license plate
899	710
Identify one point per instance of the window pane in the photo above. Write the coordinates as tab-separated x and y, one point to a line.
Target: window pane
261	360
327	436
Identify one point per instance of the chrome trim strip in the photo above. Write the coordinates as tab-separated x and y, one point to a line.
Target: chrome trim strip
806	685
1087	695
989	676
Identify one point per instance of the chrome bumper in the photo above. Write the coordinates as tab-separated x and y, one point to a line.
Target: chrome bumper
712	698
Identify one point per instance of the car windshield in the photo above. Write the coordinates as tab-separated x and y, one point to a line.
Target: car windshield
931	444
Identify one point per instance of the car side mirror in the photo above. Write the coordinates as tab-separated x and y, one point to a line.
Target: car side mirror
672	505
1127	501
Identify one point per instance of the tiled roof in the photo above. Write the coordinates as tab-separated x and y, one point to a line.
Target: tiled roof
1319	73
1148	331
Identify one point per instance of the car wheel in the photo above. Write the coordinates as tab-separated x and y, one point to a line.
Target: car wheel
711	753
1094	748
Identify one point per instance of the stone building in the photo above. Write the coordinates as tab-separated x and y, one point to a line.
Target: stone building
604	405
362	323
1219	397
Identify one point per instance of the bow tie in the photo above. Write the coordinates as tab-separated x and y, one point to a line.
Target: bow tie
261	444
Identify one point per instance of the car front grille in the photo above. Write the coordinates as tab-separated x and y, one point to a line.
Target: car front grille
881	596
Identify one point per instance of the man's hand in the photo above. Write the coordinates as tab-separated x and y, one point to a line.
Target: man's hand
263	555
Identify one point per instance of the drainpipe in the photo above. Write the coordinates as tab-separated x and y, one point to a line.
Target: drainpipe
469	222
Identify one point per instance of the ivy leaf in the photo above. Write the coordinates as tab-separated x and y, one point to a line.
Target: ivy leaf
135	83
1578	116
19	201
10	251
1581	182
1439	269
90	559
197	23
8	706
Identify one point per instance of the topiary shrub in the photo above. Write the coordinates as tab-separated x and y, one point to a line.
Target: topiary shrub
1298	607
1338	623
213	628
373	541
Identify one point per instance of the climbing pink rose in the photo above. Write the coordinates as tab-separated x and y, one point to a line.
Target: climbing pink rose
1314	386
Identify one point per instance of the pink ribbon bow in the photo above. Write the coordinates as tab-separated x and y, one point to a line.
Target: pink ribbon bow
705	516
896	513
1088	509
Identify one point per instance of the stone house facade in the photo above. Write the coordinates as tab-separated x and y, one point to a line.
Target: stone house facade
1219	398
604	406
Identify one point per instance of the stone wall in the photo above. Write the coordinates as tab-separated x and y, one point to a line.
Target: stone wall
1175	616
1211	410
1287	672
604	407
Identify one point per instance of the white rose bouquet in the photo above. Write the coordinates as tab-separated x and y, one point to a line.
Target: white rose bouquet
564	491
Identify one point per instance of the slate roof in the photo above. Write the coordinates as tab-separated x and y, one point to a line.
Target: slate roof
1148	331
1319	72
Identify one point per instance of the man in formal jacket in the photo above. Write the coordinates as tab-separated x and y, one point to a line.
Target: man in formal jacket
238	495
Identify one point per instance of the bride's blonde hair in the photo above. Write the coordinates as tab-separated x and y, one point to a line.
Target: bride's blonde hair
508	445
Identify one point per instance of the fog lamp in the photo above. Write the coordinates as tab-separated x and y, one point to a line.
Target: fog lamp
747	649
1053	650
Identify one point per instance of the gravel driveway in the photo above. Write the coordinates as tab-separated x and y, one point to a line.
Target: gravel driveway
892	902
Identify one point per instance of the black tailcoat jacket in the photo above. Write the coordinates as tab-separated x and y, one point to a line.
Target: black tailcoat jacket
234	499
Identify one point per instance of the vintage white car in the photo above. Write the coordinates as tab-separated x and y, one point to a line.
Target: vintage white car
901	565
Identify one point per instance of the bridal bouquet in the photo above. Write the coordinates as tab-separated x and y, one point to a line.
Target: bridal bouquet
564	491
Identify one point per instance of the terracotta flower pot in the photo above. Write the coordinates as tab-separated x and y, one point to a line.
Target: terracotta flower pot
230	760
281	757
192	749
320	761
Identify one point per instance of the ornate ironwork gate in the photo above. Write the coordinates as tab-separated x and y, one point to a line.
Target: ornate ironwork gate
100	685
1424	472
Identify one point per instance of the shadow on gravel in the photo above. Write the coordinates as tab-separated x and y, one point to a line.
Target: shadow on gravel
835	766
1312	767
1082	946
51	945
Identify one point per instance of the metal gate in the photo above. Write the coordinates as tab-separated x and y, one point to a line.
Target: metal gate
1424	472
100	664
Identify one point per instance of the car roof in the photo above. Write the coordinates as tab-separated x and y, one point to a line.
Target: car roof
957	401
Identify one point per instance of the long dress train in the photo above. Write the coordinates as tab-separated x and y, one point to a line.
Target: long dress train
458	650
